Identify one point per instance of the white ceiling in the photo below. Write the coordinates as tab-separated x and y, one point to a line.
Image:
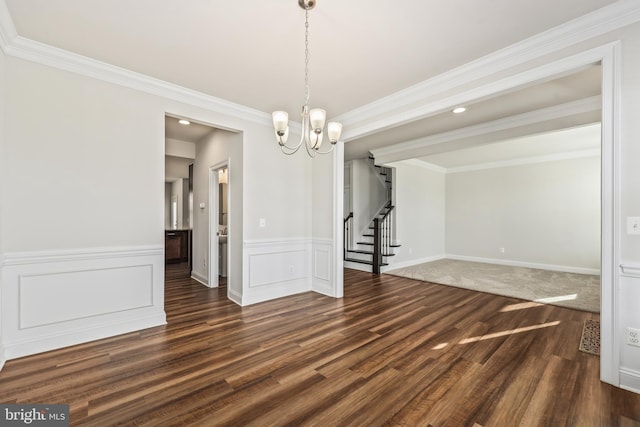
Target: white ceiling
252	52
576	142
193	132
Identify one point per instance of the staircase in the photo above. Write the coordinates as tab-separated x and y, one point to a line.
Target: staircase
375	245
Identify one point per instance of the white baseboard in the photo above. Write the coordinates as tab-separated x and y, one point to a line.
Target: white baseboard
55	299
323	289
234	296
630	380
412	262
2	356
78	336
199	277
512	263
276	291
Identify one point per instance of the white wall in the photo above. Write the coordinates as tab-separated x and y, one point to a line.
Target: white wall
369	195
177	148
89	160
177	167
543	213
218	147
420	214
89	157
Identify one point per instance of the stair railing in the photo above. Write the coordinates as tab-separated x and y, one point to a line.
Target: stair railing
382	242
348	227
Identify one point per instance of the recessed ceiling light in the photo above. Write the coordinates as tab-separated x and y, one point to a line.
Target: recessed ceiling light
184	122
459	110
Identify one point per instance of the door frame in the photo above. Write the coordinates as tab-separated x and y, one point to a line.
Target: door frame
214	215
609	56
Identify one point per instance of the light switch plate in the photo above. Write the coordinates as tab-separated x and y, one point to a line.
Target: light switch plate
633	225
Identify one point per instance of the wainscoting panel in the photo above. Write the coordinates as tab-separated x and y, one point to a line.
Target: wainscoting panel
322	252
269	268
275	268
52	298
629	295
56	299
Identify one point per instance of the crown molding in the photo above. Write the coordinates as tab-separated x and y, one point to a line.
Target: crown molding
423	165
7	29
580	106
397	107
570	155
20	47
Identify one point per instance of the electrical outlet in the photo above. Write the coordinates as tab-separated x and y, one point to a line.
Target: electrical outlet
633	337
291	269
633	225
501	250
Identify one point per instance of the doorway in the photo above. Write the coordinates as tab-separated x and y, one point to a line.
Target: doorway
219	243
178	213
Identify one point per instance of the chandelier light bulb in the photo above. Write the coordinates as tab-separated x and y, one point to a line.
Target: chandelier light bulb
317	117
334	130
280	121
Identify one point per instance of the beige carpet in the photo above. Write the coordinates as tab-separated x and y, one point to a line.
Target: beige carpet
579	291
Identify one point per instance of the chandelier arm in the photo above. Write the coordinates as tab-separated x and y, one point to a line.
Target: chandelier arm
310	151
288	151
294	148
328	151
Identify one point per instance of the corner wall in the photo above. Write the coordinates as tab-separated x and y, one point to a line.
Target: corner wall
419	213
218	147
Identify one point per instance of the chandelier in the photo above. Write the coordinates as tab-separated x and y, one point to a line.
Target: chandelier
312	119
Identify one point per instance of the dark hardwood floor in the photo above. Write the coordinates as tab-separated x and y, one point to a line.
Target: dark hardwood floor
393	351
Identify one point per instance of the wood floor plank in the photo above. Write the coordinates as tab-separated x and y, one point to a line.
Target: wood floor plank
393	351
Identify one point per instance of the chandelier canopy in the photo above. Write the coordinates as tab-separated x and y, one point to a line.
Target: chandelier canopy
312	119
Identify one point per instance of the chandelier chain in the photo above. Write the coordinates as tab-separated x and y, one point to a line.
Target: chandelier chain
306	57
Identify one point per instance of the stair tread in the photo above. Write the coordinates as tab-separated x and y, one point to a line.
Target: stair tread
358	251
